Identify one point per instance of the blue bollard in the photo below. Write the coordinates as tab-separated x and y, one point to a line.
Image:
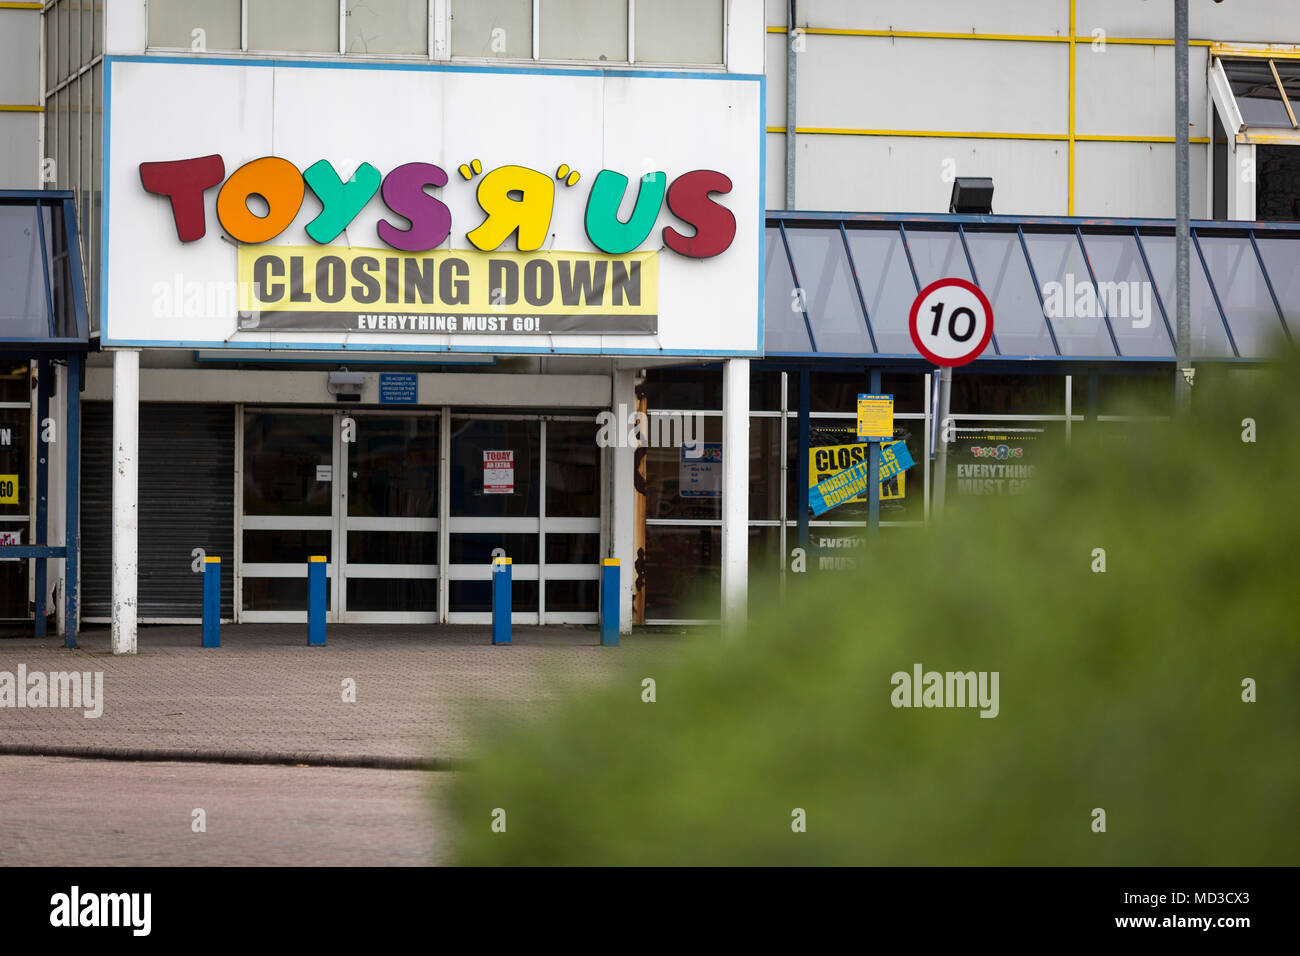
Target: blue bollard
316	600
609	602
501	579
211	602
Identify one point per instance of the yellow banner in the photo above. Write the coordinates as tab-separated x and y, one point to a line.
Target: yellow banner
8	489
825	461
332	288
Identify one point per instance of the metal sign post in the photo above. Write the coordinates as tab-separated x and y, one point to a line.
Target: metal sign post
951	324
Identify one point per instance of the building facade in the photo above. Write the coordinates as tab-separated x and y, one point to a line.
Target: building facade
284	207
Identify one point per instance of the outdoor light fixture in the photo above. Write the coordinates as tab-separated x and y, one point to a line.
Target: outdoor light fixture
346	386
973	195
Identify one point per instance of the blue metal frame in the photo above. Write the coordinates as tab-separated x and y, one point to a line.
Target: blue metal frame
1080	228
46	350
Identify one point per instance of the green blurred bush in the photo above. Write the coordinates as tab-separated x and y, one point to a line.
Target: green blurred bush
1120	690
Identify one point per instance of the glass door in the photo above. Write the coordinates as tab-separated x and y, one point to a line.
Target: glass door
390	561
495	501
527	488
289	512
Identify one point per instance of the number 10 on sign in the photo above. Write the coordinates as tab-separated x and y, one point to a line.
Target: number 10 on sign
951	322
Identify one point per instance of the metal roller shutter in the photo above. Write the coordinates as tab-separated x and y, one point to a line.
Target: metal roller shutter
187	501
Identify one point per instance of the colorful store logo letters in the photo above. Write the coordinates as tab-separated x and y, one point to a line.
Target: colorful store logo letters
515	201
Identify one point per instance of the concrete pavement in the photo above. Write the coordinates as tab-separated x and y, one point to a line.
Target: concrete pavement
265	696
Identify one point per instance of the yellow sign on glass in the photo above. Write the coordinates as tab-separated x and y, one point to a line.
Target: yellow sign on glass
825	461
8	489
875	417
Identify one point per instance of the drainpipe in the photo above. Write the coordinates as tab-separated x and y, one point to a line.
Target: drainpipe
1183	376
790	76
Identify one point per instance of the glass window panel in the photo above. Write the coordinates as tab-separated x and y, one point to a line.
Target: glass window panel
387	26
683	572
15	386
1208	337
478	548
392	594
309	26
1069	296
291	546
281	455
765	468
572	596
887	286
392	547
477	596
1018	324
572	470
784	331
1282	260
281	594
172	23
469	440
1008	394
15	455
1124	289
87	29
828	292
679	31
393	467
685	388
51	48
936	254
901	499
997	460
1243	294
765	565
1256	91
583	30
492	28
664	469
565	548
24	308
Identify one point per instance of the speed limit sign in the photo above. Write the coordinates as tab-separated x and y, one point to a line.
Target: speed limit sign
951	322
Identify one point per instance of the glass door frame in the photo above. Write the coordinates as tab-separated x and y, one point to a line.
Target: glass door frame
339	523
540	572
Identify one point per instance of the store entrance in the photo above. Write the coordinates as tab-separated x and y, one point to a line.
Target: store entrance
384	495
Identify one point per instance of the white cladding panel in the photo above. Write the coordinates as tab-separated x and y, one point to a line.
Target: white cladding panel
349	113
906	174
1253	21
1038	17
947	85
1128	90
1134	179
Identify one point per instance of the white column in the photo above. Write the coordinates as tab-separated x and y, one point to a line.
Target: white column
126	483
623	494
735	494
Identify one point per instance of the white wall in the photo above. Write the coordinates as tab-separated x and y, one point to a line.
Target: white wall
941	85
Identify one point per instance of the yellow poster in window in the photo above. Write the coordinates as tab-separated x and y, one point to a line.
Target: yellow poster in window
8	489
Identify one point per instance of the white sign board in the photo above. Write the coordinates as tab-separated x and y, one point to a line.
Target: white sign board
699	473
498	472
424	207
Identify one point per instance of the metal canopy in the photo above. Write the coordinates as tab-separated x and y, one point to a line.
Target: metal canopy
42	290
840	285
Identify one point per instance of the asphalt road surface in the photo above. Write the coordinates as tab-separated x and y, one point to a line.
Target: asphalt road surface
57	811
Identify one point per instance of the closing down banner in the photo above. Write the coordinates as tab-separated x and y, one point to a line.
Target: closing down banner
331	289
